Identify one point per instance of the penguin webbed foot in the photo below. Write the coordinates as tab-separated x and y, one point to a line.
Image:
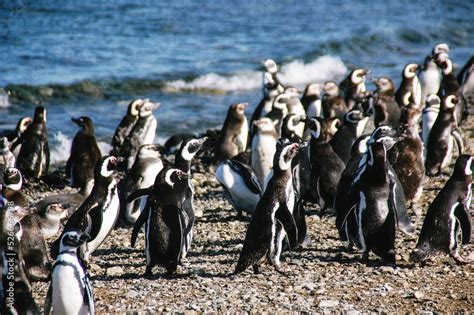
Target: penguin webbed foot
256	269
148	272
280	271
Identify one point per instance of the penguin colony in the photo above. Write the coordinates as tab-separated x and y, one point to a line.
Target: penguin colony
360	155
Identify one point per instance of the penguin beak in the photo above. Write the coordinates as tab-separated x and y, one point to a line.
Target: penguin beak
84	237
76	120
120	163
303	119
155	106
203	139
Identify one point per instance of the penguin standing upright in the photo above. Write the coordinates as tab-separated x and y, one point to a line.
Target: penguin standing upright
386	110
441	139
334	104
352	86
11	190
273	217
409	85
14	136
99	212
430	77
292	127
279	111
164	222
142	175
311	100
7	159
406	156
33	159
296	108
263	149
262	109
428	118
270	78
234	133
84	155
143	132
70	290
126	125
450	86
466	80
448	224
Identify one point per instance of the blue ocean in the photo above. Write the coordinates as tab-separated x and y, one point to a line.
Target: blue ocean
197	57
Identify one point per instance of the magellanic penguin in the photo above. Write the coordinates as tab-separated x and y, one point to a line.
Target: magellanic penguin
84	155
33	159
279	111
142	175
173	143
270	78
70	290
126	125
99	212
386	110
326	165
164	221
430	77
11	190
292	127
466	80
448	224
440	48
353	85
333	101
49	219
409	85
7	159
234	133
352	127
406	156
441	139
311	100
295	107
372	225
273	217
14	136
263	149
428	118
450	86
143	132
241	185
262	109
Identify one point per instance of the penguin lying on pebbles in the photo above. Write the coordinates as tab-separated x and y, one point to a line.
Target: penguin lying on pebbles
448	224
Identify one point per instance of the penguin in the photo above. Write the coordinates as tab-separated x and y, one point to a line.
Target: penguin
7	159
70	290
11	192
326	165
33	158
14	136
439	48
174	142
164	222
241	185
279	111
441	139
263	149
262	109
84	155
273	217
270	78
466	81
125	126
386	110
311	100
406	156
334	104
143	132
351	129
353	85
142	175
295	107
447	223
234	133
99	211
429	115
430	77
293	127
409	85
372	225
450	86
49	219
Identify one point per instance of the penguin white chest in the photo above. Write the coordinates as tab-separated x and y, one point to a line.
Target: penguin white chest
290	195
244	132
314	109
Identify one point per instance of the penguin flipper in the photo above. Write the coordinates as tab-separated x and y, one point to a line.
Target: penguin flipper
95	221
138	225
459	143
139	193
285	217
174	222
396	201
248	175
88	296
464	219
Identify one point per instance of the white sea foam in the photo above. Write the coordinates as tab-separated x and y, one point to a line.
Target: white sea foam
4	99
295	73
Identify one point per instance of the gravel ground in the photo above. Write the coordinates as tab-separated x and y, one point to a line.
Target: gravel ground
323	277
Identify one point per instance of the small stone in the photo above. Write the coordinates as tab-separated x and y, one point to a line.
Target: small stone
328	303
94	267
132	294
114	271
387	269
418	295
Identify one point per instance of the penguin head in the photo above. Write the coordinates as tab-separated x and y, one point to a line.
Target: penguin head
72	239
385	135
285	152
4	145
445	63
173	175
353	116
149	151
190	147
23	124
237	111
55	211
384	84
449	103
134	107
409	72
270	66
312	89
439	49
330	88
107	165
12	178
265	125
147	108
85	123
40	114
432	100
358	76
292	91
315	126
281	101
463	166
